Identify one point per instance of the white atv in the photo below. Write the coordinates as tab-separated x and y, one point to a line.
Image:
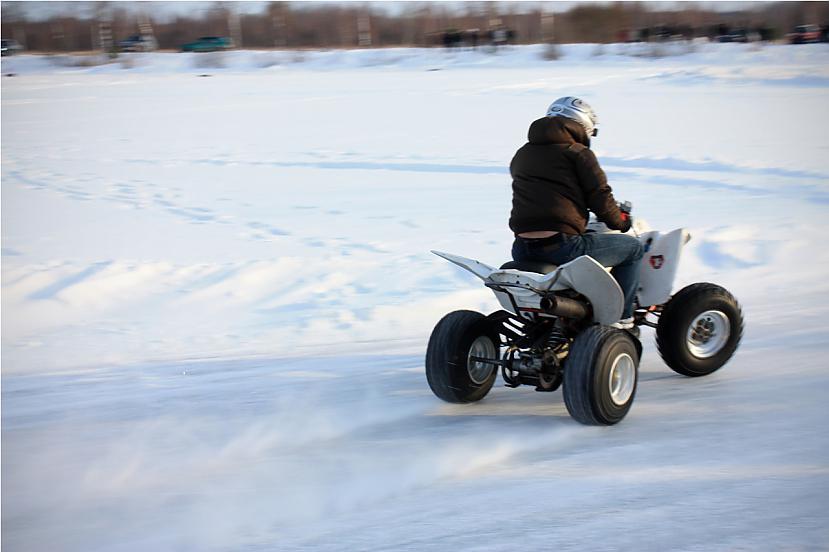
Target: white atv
555	330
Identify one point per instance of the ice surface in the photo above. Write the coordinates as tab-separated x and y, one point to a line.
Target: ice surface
217	291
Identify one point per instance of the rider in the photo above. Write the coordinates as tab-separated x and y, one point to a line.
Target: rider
556	180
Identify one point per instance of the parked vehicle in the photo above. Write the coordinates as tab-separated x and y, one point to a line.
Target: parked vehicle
735	35
555	329
10	47
208	44
804	34
138	43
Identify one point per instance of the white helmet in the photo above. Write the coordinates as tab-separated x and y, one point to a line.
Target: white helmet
577	110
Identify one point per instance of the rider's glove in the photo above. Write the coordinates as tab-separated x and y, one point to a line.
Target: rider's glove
626	222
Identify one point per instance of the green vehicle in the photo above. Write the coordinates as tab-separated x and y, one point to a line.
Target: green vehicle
208	44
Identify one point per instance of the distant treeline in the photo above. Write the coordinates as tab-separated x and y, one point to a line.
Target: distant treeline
346	25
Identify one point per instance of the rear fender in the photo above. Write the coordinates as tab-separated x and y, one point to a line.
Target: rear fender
583	275
589	278
477	268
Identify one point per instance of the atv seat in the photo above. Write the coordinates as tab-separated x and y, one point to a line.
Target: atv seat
530	266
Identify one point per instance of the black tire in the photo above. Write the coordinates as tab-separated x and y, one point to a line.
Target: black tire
597	354
715	313
449	372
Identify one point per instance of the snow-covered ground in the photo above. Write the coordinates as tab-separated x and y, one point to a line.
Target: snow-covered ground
217	292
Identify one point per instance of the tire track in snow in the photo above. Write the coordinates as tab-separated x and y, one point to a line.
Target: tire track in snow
662	163
128	195
812	185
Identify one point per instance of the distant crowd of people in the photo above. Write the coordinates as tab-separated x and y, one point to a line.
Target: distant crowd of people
499	36
724	33
472	38
715	33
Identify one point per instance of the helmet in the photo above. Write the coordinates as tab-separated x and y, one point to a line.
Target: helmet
577	110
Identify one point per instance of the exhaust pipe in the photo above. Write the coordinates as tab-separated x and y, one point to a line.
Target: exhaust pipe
565	307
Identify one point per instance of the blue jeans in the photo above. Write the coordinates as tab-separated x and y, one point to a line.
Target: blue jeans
620	251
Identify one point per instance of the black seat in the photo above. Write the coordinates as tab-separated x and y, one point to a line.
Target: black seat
530	266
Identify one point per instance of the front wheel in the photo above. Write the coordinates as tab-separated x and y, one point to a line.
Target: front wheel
600	376
699	329
455	358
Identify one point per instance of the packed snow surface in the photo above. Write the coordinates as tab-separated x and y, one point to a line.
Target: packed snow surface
217	292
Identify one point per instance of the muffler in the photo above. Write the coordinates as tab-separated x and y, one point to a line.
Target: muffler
565	307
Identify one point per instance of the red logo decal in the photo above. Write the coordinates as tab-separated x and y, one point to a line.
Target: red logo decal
657	261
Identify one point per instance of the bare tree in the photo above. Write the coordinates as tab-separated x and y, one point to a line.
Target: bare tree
363	28
98	25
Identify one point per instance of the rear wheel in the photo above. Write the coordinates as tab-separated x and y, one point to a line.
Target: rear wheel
699	329
455	367
600	376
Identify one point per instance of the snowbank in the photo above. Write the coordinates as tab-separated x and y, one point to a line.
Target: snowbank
693	53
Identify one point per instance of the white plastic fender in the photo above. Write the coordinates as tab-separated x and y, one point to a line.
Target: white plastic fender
659	265
477	268
588	277
583	274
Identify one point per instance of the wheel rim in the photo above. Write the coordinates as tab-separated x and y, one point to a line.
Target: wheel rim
479	371
622	379
708	334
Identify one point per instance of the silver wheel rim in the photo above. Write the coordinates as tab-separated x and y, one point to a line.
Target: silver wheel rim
479	371
708	334
622	379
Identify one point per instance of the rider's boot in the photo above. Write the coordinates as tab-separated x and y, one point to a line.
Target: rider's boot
623	324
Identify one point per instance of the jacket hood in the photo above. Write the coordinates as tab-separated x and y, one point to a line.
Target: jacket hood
557	130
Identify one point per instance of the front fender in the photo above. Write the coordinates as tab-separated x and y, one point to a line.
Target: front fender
659	265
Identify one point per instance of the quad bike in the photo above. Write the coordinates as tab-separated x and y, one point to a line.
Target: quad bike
555	329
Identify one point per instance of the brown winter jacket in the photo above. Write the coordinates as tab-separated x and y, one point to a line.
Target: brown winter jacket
556	179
